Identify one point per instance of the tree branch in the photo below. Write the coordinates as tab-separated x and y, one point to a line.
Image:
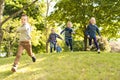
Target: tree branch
16	13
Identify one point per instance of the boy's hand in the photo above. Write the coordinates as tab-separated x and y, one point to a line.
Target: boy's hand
99	37
88	36
62	39
73	32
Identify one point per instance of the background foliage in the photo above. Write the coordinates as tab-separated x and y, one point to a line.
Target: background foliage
79	12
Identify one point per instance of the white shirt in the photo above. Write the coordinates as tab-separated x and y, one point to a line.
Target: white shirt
25	30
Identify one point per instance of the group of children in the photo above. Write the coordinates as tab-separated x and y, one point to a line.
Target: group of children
90	33
25	39
68	38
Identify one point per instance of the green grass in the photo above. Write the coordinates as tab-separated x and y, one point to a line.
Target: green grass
64	66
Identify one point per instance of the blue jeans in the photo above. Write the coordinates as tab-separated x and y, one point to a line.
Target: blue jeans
69	43
95	42
52	46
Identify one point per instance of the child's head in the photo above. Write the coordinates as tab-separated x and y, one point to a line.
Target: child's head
92	20
57	44
69	24
52	30
24	19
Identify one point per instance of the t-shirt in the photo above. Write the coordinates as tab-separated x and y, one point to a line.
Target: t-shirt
24	30
91	30
53	37
68	32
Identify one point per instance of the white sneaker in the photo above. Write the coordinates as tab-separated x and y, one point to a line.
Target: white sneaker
98	51
14	69
72	51
90	46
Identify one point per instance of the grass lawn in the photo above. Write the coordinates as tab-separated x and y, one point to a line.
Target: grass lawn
64	66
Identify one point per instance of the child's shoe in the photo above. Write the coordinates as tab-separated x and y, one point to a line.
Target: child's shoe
33	59
14	68
98	51
90	47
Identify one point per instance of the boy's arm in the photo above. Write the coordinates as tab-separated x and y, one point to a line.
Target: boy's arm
86	31
72	31
98	31
62	31
59	37
25	27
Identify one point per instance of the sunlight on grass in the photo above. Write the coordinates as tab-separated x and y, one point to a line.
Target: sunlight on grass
64	66
4	67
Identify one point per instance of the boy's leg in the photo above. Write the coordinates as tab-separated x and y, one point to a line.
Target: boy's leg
28	48
19	53
54	46
50	49
90	41
67	42
70	42
96	44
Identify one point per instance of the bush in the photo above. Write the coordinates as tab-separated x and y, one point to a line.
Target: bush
78	45
115	46
104	44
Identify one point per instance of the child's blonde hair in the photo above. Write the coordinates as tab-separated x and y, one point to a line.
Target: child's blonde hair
92	19
70	23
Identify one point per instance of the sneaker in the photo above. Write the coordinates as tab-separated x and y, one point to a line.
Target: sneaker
14	68
33	59
98	51
90	47
71	50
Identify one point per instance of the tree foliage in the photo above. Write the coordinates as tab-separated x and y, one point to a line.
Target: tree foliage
106	13
79	12
36	19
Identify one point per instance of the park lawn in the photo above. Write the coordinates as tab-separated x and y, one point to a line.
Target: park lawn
64	66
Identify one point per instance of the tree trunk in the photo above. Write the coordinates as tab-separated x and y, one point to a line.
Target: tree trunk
1	10
85	39
8	49
13	15
1	14
47	10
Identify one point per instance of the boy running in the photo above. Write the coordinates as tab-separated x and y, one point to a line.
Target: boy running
91	33
53	39
24	42
68	35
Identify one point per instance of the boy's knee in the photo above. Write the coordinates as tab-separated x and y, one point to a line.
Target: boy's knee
18	56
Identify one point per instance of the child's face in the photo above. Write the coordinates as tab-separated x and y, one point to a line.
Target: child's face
93	21
52	31
24	19
69	25
57	44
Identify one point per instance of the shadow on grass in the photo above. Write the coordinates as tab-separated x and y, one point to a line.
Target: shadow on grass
5	74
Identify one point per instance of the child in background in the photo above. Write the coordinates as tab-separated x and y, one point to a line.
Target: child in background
91	33
24	42
58	48
68	35
53	39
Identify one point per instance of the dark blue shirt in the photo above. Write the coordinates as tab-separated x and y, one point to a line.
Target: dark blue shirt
91	30
53	37
68	32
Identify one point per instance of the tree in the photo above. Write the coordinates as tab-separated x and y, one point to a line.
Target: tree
80	11
48	5
35	13
11	16
1	14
